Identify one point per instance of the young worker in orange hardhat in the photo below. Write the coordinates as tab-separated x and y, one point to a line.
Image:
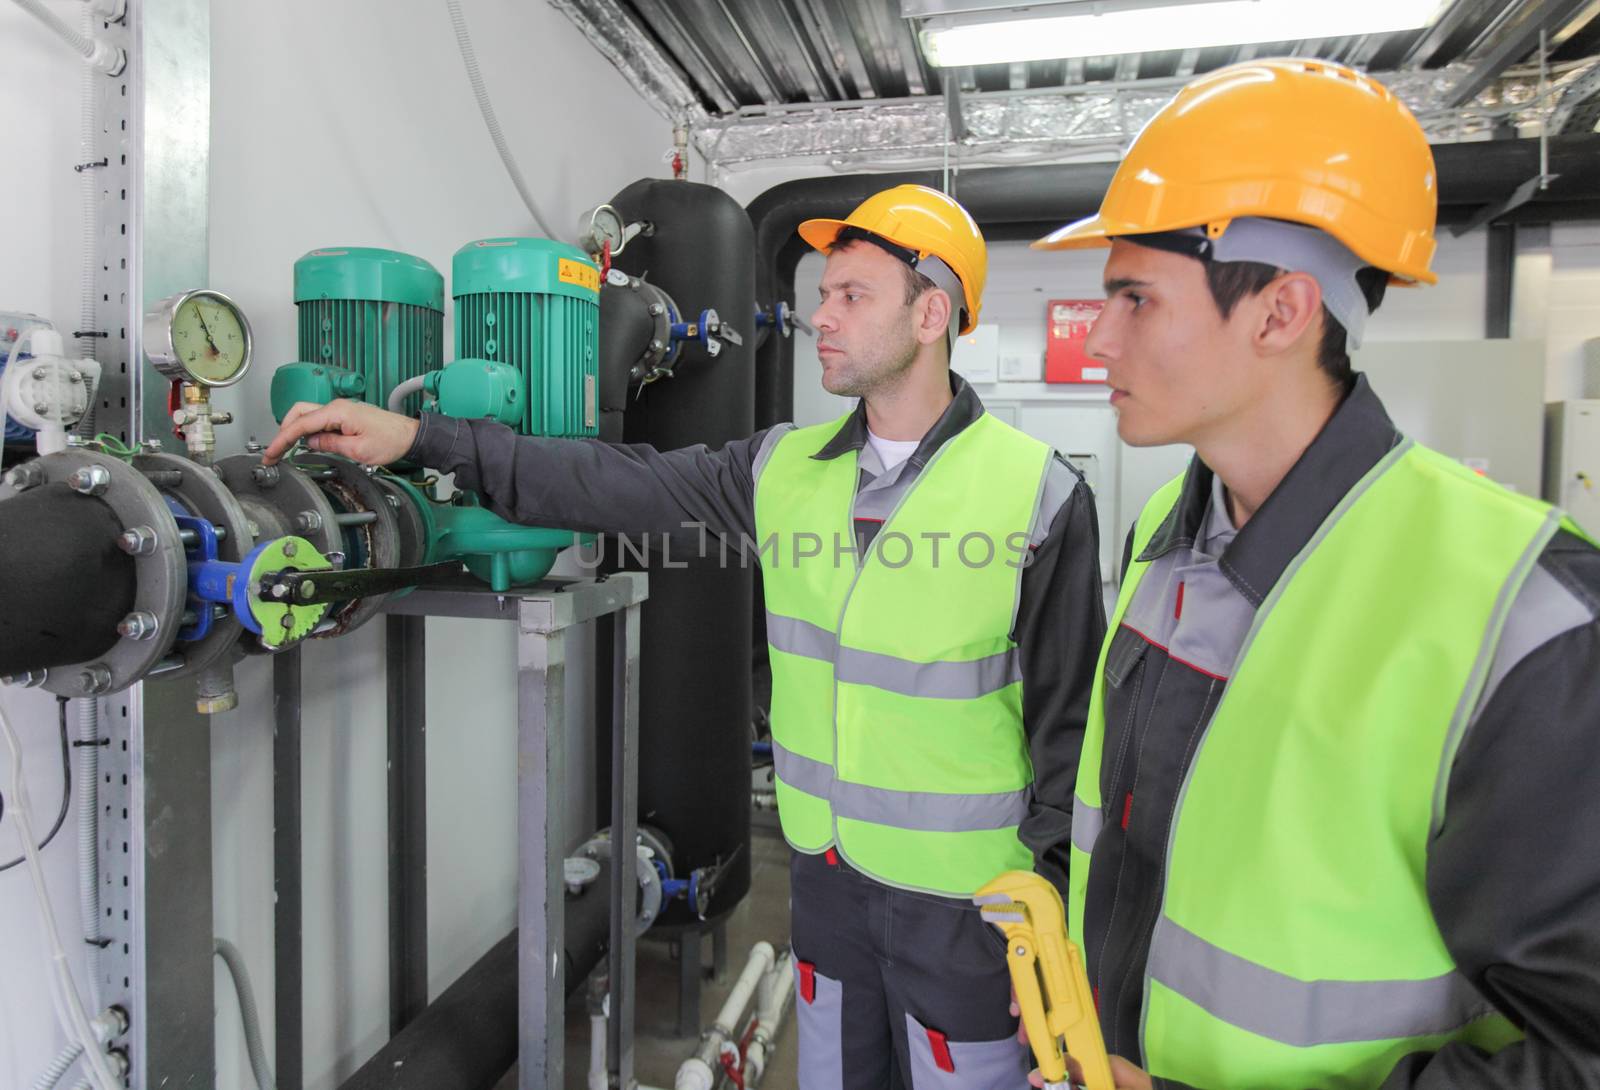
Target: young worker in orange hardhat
1340	790
932	649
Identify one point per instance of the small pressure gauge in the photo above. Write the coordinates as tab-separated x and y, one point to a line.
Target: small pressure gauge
198	336
601	226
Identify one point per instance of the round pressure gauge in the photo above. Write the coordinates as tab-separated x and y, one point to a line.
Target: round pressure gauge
198	336
601	226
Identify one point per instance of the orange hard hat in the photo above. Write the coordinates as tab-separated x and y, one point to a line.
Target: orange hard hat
925	222
1305	141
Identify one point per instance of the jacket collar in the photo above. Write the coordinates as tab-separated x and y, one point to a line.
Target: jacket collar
962	411
1355	439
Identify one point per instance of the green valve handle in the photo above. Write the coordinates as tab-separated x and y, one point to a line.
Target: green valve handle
282	621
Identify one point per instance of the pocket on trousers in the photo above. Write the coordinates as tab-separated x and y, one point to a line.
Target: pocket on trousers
819	1011
938	1063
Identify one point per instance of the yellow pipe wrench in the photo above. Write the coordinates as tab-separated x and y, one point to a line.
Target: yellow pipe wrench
1047	972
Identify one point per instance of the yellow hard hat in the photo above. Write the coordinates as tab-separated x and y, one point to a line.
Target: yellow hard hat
925	222
1306	141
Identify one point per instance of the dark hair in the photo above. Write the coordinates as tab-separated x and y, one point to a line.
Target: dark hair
1231	281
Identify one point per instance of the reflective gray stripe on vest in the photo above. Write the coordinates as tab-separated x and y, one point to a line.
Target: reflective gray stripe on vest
1086	823
1304	1013
922	811
947	680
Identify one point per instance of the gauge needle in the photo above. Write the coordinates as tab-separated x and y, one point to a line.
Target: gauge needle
212	341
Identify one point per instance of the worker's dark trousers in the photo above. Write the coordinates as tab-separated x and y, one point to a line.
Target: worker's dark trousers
897	990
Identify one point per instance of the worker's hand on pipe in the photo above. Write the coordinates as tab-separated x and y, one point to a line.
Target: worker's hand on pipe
1123	1074
361	432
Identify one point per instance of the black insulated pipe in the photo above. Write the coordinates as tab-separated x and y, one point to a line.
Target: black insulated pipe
1027	202
695	629
64	583
466	1039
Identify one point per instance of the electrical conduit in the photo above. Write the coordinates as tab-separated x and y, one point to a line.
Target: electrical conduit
397	396
469	57
104	56
234	960
87	710
58	1067
63	991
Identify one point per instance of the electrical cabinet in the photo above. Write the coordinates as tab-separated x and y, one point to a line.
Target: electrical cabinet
1572	460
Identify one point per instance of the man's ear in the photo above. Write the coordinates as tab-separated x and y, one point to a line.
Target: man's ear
1287	309
933	316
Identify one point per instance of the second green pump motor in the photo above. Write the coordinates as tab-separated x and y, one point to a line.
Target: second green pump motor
526	340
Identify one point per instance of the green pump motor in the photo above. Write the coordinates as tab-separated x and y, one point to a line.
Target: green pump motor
527	337
527	347
369	320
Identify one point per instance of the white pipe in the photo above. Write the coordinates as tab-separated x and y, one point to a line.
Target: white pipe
103	55
599	1077
772	1006
701	1071
63	990
398	395
87	709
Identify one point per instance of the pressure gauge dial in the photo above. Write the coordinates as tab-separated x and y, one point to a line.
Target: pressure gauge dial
198	336
601	226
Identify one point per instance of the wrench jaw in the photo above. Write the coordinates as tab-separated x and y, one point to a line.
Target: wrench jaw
1047	973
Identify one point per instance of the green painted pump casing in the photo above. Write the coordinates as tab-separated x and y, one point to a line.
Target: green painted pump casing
368	320
532	305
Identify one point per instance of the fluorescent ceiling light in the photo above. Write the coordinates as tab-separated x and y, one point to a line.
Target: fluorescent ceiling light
955	41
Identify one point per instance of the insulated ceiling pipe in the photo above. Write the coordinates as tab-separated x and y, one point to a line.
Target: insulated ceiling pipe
1025	202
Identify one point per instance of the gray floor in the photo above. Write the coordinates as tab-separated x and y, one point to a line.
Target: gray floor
658	1050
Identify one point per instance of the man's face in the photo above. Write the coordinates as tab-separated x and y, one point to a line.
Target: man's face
866	334
1177	370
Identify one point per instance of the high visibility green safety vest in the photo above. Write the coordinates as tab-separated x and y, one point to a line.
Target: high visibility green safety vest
1295	945
896	688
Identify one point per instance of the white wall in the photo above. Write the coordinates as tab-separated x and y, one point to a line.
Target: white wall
332	124
39	218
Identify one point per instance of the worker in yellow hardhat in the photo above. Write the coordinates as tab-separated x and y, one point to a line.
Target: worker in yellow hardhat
1336	813
934	609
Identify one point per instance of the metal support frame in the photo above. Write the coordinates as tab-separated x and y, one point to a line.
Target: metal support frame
692	969
155	821
1500	281
544	616
408	819
287	907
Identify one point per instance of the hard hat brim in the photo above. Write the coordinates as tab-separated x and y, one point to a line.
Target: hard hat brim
820	233
1096	231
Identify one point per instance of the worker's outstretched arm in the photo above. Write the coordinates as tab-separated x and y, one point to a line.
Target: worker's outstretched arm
570	484
1060	624
1514	875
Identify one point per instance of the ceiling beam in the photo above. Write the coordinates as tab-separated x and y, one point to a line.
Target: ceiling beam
1519	38
685	48
1461	14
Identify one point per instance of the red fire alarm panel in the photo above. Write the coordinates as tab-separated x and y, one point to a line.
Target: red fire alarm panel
1067	325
